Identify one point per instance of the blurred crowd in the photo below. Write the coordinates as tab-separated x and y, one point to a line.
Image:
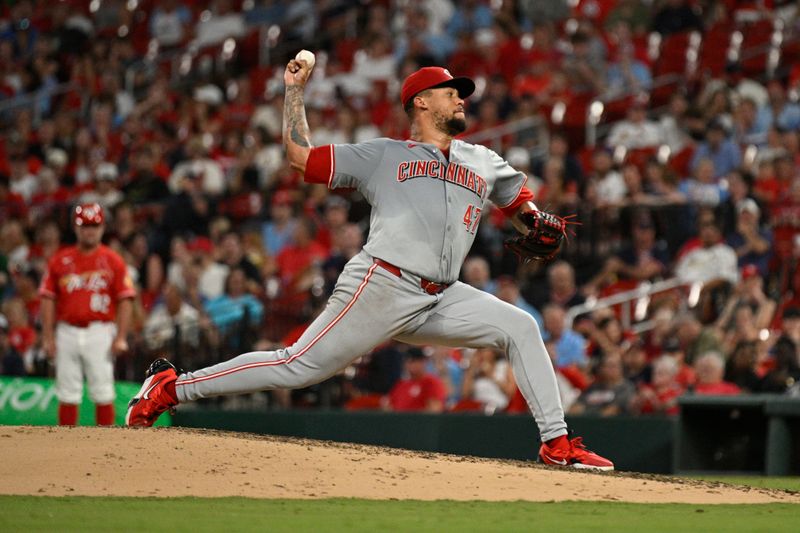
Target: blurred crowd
169	115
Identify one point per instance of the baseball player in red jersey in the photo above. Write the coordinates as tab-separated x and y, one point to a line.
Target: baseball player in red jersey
86	287
427	195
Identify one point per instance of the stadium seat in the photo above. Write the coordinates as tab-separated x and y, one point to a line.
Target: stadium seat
672	57
467	405
713	50
368	402
755	47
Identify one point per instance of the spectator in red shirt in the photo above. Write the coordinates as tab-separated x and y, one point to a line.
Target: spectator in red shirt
785	217
334	219
21	336
295	260
419	391
660	396
672	348
710	369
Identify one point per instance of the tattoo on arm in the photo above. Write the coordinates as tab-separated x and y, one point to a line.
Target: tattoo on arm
294	117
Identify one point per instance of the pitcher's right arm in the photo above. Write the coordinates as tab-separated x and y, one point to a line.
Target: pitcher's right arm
296	135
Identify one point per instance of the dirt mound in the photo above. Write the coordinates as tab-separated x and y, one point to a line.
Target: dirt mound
91	461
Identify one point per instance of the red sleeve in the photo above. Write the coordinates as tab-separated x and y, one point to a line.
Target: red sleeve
123	284
525	195
320	165
48	288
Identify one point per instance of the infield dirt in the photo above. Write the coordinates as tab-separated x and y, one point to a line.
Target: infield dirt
55	461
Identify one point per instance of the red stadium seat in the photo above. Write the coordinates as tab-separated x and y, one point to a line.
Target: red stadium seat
679	163
617	287
663	90
368	402
672	58
714	49
249	49
517	404
640	156
755	47
615	110
467	406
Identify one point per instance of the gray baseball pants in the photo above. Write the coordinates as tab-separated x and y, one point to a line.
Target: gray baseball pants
371	305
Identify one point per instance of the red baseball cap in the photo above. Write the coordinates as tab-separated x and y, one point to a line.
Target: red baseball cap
200	244
282	197
89	215
432	77
749	271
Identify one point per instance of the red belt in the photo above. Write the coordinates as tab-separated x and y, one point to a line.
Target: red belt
83	324
431	287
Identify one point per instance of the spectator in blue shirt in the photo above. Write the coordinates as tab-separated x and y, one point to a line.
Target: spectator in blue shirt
277	232
777	111
230	308
703	189
170	23
20	31
470	16
570	346
508	291
442	364
726	154
626	74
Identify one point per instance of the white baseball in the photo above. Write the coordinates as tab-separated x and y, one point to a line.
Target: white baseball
306	56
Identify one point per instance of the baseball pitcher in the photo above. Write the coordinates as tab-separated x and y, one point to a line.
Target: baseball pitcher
428	194
86	287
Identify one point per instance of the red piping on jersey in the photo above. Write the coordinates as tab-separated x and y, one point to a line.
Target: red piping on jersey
333	166
524	195
295	356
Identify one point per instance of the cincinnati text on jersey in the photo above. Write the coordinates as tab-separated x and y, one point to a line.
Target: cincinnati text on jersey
451	173
96	280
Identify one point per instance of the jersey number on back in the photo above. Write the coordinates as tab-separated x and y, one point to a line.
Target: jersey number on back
98	303
471	217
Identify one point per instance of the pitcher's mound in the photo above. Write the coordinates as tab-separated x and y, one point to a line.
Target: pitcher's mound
91	461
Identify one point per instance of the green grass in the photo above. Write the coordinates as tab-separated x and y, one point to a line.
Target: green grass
29	513
762	482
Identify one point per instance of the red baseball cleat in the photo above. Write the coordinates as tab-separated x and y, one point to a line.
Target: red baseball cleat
562	451
152	399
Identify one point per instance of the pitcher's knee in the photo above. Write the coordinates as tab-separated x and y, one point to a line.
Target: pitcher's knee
521	324
517	327
300	380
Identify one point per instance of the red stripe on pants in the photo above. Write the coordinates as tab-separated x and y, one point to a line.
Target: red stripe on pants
299	353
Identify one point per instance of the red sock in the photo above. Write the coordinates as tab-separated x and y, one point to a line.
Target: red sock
67	414
104	414
558	442
169	388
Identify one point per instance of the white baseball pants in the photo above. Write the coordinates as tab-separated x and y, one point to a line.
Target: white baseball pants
85	352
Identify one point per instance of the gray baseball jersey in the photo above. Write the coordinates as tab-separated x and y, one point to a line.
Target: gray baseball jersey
426	207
